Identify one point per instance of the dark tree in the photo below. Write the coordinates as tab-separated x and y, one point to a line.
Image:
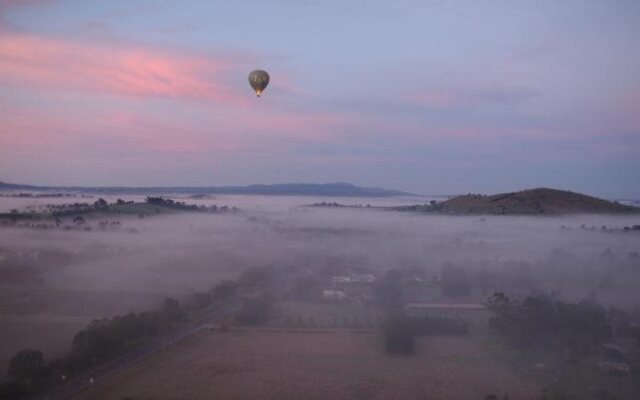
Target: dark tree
12	390
399	336
100	203
172	310
28	368
544	321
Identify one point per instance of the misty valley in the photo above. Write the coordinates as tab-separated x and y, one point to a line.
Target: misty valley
320	200
257	296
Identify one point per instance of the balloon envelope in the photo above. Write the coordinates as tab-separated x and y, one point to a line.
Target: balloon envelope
258	80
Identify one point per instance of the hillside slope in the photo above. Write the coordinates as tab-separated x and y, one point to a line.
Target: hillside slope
540	201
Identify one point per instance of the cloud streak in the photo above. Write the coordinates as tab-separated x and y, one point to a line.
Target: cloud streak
63	64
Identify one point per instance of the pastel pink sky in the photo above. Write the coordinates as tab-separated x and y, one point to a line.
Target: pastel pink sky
438	98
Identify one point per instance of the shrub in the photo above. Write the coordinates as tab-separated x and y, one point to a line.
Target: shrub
27	368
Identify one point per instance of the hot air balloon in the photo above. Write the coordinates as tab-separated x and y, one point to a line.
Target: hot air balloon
259	80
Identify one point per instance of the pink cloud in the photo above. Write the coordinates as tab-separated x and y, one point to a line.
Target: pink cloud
157	134
113	131
166	135
62	64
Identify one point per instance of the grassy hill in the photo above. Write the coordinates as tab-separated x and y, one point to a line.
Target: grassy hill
540	201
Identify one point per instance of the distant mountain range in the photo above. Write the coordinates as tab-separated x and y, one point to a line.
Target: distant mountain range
539	201
301	189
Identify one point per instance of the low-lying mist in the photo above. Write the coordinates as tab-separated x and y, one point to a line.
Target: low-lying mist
78	275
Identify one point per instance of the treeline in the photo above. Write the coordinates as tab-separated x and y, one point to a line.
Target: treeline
339	205
179	205
101	205
574	335
544	322
104	340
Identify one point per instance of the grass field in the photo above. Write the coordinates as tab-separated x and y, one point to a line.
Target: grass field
313	365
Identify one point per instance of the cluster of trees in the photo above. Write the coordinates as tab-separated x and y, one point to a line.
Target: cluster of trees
62	210
27	371
335	204
160	201
100	204
603	228
541	321
220	292
328	204
100	341
104	339
432	206
180	205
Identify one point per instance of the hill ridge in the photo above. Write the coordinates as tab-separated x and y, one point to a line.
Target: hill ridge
312	189
537	201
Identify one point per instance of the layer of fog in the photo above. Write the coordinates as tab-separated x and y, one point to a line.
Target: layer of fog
103	273
253	202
